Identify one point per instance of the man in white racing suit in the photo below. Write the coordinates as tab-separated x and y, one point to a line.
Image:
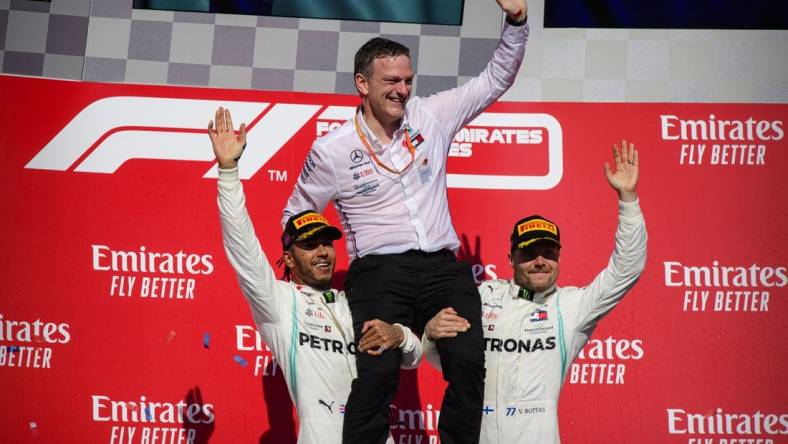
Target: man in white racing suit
533	330
305	323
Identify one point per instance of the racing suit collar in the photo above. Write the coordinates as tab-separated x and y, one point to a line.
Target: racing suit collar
307	290
539	297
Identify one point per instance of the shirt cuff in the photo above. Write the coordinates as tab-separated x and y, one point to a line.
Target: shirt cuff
522	22
629	209
405	333
228	174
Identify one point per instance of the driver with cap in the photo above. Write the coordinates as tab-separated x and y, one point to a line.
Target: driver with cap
305	323
533	329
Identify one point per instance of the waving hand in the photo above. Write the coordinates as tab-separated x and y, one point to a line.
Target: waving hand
227	146
625	178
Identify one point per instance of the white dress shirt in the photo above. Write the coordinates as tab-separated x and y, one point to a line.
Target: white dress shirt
382	212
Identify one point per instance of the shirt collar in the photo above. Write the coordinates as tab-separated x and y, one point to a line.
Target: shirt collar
371	136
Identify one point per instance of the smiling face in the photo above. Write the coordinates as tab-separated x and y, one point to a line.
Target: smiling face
311	263
385	91
536	266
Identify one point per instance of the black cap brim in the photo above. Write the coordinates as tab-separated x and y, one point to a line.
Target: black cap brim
324	232
538	240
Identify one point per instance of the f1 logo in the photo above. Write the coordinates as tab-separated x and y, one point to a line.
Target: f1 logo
113	130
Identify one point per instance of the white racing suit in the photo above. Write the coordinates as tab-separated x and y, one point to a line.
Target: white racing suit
311	338
530	344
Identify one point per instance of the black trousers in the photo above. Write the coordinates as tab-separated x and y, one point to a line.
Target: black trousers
410	288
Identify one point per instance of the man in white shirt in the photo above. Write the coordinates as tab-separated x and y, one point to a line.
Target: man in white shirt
533	330
385	172
305	323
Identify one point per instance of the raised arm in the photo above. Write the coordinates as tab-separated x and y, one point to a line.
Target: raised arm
456	107
255	275
629	254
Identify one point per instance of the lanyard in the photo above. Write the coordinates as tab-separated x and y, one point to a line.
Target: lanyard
363	138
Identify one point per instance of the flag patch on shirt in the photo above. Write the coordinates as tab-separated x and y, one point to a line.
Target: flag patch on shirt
540	314
415	137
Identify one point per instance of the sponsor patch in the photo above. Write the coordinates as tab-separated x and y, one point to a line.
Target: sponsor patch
536	224
308	219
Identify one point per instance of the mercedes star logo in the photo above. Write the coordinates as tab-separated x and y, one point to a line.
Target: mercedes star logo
356	156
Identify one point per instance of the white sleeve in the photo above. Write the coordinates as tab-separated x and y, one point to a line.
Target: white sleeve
623	270
255	275
431	352
315	187
411	349
456	107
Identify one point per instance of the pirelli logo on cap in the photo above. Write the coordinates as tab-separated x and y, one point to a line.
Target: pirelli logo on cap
536	224
308	219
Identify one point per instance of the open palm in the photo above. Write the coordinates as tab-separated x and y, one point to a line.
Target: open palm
625	177
227	146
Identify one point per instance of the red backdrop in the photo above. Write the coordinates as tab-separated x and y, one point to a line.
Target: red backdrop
91	169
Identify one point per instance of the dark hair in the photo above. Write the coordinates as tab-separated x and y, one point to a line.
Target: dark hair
374	48
280	262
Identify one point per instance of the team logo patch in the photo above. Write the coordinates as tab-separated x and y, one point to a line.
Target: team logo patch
356	156
536	225
308	219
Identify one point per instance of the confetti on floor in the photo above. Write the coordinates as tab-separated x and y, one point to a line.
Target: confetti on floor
206	340
171	336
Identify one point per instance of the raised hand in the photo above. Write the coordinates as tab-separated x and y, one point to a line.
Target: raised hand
227	146
517	10
625	178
